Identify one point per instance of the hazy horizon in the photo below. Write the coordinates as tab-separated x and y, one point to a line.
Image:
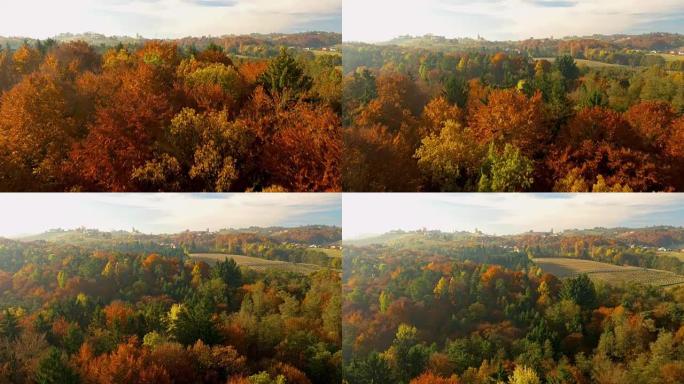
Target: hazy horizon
64	34
130	230
168	19
495	40
506	214
503	20
164	213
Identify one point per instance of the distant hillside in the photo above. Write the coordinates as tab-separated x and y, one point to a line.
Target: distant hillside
313	40
305	235
81	235
658	236
401	238
649	41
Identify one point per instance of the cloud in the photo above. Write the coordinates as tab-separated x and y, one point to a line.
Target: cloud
553	3
166	18
155	213
506	213
381	20
214	3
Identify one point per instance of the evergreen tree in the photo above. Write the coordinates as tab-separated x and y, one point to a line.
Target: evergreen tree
285	77
581	290
9	326
52	369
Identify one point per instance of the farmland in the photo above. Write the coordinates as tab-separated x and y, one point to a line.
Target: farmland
255	263
608	273
331	252
677	254
587	63
670	57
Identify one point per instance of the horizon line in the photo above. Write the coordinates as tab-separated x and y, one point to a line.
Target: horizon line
481	38
20	236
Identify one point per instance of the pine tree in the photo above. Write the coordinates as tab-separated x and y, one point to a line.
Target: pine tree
9	326
285	77
53	370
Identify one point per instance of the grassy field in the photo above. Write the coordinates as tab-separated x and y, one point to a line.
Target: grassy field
319	52
331	252
669	57
256	263
677	254
609	273
587	63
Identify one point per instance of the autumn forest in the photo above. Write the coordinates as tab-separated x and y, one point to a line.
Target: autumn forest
240	113
599	113
260	305
581	306
342	192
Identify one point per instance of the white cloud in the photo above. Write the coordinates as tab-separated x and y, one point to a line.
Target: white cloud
380	20
155	213
165	18
366	214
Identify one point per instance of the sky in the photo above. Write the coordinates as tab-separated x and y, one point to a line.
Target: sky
167	18
382	20
500	214
26	214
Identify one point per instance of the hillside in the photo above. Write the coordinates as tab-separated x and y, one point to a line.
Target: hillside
231	43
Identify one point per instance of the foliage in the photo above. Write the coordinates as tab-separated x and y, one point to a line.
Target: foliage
164	116
421	115
121	312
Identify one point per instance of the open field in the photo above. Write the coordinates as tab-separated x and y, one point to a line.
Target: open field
609	273
670	57
320	52
331	252
587	63
679	255
256	263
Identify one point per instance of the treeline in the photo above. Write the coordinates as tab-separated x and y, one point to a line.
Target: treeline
623	52
71	316
254	45
167	118
425	319
604	250
271	244
479	121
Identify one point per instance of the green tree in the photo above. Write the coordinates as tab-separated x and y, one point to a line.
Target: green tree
53	369
189	323
9	326
285	77
374	369
567	67
581	290
228	271
361	88
456	90
410	357
509	171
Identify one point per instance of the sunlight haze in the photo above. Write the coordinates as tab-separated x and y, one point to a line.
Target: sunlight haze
382	20
164	213
369	214
167	18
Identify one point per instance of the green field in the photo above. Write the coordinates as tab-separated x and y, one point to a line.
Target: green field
588	63
256	263
679	255
669	57
608	273
331	252
319	52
